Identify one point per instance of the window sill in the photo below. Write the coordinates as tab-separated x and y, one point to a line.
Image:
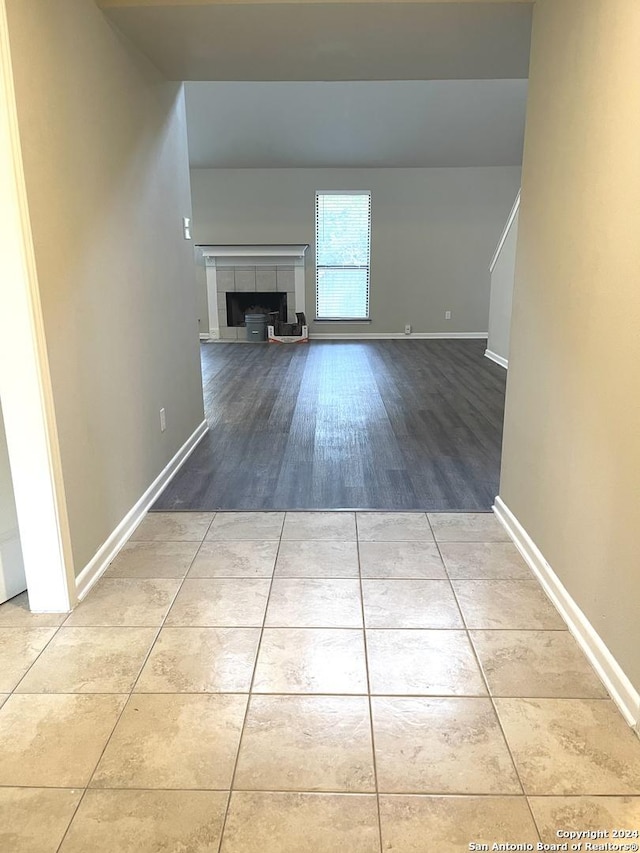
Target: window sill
354	321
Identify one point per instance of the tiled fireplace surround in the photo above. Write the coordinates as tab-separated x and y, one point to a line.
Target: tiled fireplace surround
247	269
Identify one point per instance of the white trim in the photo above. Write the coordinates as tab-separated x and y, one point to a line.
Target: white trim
499	359
205	336
106	553
357	336
299	284
282	250
622	691
254	261
25	381
505	233
212	297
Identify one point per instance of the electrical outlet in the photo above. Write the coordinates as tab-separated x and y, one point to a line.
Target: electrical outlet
186	227
447	315
407	329
163	420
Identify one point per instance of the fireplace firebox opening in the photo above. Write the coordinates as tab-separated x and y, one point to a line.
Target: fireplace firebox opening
240	303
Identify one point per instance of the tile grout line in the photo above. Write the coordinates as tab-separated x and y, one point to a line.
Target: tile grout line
56	631
129	695
33	662
341	793
57	693
316	627
369	702
324	627
527	796
250	692
324	693
489	694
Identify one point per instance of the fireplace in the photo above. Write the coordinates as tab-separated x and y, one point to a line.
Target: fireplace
263	278
254	302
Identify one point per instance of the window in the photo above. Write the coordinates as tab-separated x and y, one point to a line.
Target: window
343	236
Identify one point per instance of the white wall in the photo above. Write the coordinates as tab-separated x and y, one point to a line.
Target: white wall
433	234
104	146
502	277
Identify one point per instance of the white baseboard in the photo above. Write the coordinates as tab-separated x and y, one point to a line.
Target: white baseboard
499	359
383	336
105	554
622	691
371	336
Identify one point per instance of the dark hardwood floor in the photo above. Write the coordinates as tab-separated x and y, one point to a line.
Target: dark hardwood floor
395	425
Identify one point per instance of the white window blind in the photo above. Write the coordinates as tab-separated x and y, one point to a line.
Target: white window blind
343	236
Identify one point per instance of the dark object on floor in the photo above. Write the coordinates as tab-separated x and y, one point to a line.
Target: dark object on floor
282	328
256	327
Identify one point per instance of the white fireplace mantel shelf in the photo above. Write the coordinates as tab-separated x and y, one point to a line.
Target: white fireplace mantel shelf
286	251
251	255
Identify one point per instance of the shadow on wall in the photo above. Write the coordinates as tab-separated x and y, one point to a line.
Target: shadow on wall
12	577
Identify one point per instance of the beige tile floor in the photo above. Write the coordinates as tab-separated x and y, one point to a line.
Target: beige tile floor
315	683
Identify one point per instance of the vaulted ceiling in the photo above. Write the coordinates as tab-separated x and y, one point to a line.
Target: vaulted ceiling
315	83
362	40
366	124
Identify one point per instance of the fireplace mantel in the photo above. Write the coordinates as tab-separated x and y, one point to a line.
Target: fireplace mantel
283	252
251	255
